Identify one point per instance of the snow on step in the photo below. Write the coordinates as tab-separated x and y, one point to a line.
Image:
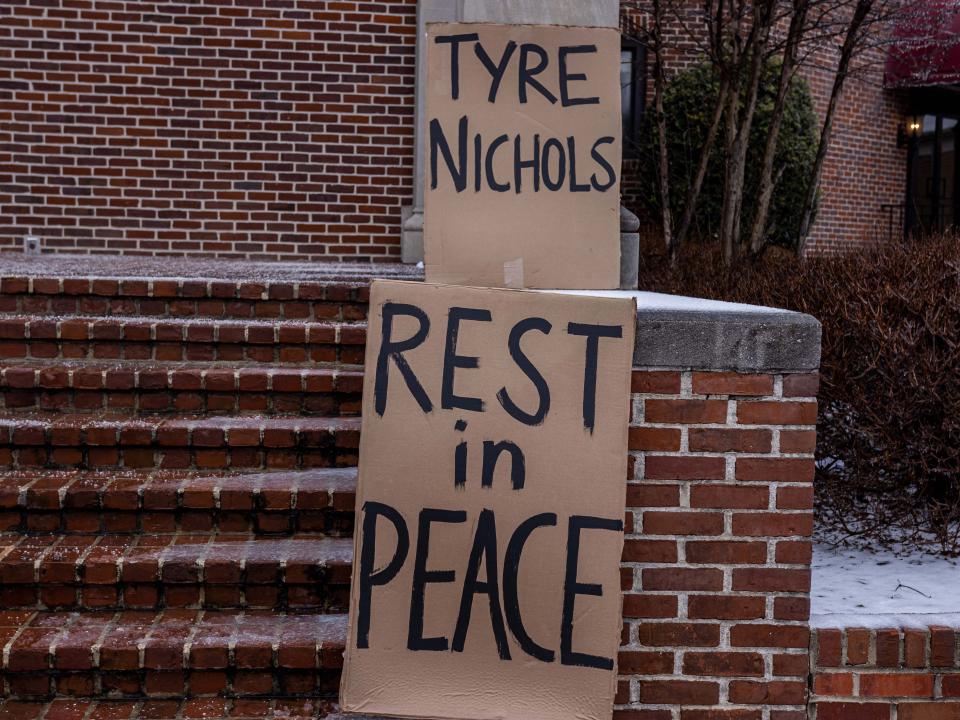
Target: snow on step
45	440
151	387
169	640
345	301
180	339
182	570
92	268
159	490
210	431
175	558
153	375
165	501
187	330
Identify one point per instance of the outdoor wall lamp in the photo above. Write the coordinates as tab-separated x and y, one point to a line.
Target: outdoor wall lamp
909	130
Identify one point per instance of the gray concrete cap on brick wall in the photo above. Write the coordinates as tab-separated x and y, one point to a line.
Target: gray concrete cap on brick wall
683	332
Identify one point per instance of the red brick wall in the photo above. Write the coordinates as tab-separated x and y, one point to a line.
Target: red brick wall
716	572
864	169
235	128
885	674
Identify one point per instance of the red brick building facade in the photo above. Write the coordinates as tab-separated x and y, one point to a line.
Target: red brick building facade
266	130
285	131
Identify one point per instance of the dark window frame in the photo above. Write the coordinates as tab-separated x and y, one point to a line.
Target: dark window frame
939	102
934	220
638	94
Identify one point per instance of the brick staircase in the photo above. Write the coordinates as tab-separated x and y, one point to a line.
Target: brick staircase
177	488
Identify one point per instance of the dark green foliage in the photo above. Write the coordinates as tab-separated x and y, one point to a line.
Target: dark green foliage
889	427
688	106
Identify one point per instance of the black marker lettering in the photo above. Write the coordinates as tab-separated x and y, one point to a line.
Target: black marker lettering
452	361
460	465
393	350
566	78
477	162
368	548
491	179
460	457
484	548
526	72
511	595
519	165
602	162
439	141
491	454
530	370
496	71
550	144
454	42
593	333
572	152
572	588
422	576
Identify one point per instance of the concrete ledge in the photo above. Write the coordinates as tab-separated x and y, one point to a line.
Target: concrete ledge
672	331
682	332
745	341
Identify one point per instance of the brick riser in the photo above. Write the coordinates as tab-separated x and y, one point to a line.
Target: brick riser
267	595
41	338
176	653
183	308
175	571
275	503
208	708
158	389
335	522
248	443
241	683
144	402
184	298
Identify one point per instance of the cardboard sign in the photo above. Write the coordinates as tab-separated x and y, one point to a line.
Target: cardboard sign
523	142
490	504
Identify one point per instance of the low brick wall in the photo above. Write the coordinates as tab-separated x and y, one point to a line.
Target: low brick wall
885	674
716	566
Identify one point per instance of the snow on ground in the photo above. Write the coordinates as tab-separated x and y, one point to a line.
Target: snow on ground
857	588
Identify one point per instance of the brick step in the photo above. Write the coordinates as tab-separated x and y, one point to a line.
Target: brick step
174	653
197	339
319	500
177	442
184	297
145	387
175	571
208	708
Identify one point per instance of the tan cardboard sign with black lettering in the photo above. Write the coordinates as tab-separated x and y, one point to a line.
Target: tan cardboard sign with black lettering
522	137
490	504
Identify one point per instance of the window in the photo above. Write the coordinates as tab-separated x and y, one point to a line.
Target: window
933	203
633	84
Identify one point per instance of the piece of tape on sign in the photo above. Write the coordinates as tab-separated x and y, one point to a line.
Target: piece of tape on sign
513	273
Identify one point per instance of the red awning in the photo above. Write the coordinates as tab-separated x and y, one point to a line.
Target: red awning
925	50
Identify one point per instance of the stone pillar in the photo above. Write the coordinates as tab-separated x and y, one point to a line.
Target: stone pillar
593	13
629	249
